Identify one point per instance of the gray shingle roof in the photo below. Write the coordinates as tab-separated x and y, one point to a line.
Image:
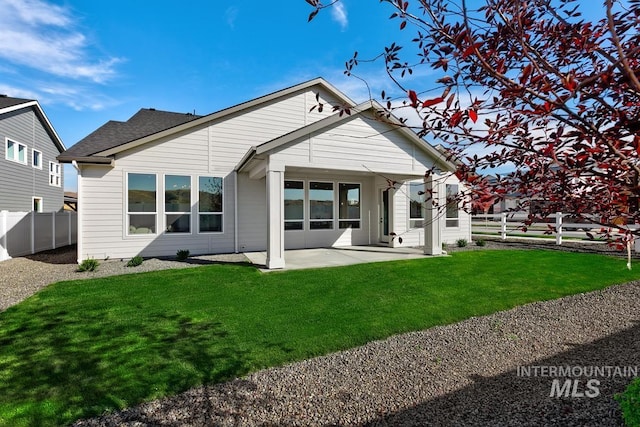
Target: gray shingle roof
114	133
7	101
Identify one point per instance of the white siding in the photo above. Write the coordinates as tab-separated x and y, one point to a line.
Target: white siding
359	144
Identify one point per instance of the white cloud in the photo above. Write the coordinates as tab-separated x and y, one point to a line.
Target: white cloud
231	14
339	14
42	36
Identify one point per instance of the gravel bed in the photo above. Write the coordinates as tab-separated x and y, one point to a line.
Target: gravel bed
22	277
465	374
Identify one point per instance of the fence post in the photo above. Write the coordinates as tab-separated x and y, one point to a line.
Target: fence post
4	251
33	232
53	229
69	227
558	228
503	226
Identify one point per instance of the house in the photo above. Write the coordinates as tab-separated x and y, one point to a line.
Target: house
30	175
269	174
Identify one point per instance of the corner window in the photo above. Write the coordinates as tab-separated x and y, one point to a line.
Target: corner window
141	203
177	203
54	174
452	206
210	197
15	151
349	205
293	205
321	205
36	159
416	205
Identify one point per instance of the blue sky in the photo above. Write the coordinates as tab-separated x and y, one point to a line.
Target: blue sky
88	62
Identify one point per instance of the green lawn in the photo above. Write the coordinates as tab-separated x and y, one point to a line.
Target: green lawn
79	348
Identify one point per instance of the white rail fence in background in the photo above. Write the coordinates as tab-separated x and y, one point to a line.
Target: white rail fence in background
510	225
25	233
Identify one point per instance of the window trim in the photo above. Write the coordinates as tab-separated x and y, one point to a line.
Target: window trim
447	217
414	220
343	220
164	205
33	159
197	207
127	214
55	174
41	205
304	208
16	156
333	207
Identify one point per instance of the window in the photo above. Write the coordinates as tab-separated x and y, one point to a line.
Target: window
452	206
16	152
349	205
141	203
36	159
54	174
321	205
210	204
177	203
293	205
37	204
416	204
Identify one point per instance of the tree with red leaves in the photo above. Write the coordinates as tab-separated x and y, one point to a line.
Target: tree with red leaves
530	85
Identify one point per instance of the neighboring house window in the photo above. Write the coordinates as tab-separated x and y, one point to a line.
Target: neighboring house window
177	203
320	205
16	152
141	203
349	205
293	205
210	198
416	205
54	174
36	159
38	204
452	206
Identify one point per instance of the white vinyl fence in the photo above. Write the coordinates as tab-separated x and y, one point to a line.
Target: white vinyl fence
510	225
25	233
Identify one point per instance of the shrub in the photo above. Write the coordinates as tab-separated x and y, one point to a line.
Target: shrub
88	264
481	242
182	254
135	261
461	243
629	402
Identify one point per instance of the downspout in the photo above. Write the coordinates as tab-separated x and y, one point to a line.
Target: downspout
235	210
80	210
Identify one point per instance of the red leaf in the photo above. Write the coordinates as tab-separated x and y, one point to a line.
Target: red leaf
403	24
413	96
455	118
473	115
430	102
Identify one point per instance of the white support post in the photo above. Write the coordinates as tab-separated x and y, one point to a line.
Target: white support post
432	217
275	216
558	228
4	251
503	226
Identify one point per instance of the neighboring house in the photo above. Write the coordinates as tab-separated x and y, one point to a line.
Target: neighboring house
30	174
268	174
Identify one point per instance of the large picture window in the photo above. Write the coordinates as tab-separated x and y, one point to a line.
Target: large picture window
177	203
416	205
141	203
320	205
349	205
293	205
452	206
210	196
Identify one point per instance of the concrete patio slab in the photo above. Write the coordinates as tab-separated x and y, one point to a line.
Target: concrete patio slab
333	257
